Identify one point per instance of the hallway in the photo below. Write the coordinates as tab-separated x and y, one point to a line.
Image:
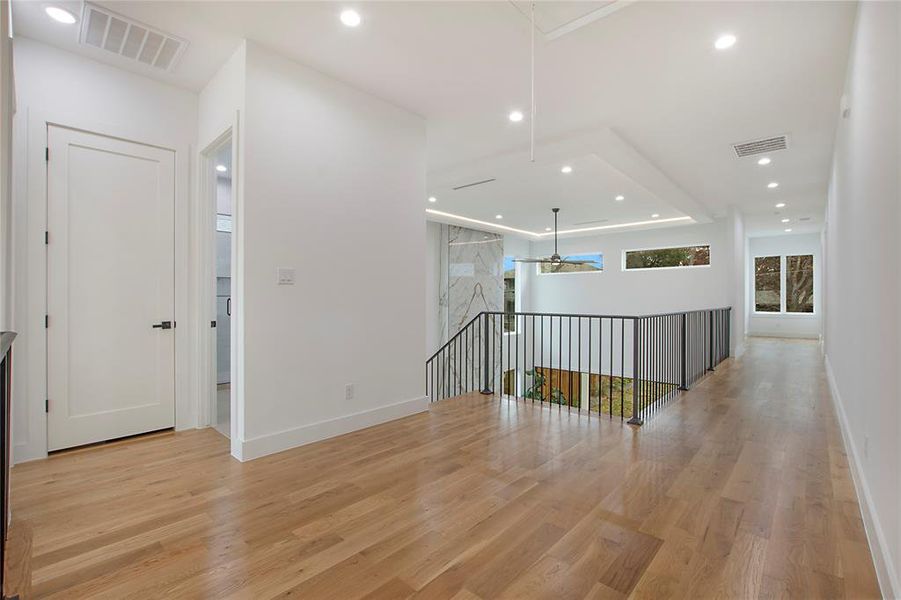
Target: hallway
740	488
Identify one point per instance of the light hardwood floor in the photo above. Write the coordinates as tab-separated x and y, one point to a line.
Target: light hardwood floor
738	489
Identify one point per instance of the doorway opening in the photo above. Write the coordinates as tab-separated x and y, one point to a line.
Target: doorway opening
221	166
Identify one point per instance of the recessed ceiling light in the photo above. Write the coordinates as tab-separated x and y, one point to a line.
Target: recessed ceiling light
516	116
498	216
727	40
350	17
788	230
764	161
433	199
221	168
548	229
620	198
60	15
773	184
780	205
654	216
786	220
566	169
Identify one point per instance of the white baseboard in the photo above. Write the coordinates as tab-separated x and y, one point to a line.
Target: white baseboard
315	432
882	561
784	334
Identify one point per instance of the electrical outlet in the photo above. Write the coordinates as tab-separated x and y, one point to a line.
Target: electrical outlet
349	391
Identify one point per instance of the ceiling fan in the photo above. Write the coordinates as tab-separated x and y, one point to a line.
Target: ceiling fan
555	258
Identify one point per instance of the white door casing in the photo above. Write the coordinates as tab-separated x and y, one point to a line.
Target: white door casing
110	278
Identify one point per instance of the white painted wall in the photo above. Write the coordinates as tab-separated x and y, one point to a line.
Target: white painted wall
333	183
740	251
60	87
7	107
786	324
862	325
221	99
618	292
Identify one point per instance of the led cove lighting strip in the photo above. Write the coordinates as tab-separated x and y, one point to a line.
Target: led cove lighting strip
486	223
599	227
561	232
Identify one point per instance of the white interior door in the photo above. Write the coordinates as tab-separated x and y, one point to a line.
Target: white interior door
110	286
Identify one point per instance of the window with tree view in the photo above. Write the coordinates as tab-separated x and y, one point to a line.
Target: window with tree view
683	256
799	283
509	295
768	284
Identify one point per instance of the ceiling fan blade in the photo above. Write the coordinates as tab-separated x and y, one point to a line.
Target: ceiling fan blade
531	260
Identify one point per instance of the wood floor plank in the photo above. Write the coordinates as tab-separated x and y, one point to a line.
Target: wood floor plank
739	488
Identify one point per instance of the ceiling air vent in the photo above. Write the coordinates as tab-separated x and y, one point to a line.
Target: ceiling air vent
761	146
474	183
135	41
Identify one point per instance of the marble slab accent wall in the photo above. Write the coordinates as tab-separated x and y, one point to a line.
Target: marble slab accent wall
472	277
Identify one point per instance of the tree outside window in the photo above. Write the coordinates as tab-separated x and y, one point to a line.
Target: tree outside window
685	256
768	284
794	274
509	295
799	283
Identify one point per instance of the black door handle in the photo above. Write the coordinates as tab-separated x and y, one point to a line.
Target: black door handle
228	306
163	325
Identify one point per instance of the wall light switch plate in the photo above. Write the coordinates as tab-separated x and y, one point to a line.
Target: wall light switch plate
285	276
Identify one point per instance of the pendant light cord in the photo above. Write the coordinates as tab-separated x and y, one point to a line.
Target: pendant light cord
555	231
532	108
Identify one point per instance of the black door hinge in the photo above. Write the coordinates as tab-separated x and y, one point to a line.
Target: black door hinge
47	154
46	237
46	321
47	405
212	323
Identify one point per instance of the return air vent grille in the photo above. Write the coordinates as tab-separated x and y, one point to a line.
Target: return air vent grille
473	184
130	39
761	146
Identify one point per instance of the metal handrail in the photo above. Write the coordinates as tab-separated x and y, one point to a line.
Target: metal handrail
652	359
456	335
6	341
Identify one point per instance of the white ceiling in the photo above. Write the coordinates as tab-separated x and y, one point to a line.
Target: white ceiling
644	74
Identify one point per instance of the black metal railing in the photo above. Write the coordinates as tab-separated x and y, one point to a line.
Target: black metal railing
615	365
6	341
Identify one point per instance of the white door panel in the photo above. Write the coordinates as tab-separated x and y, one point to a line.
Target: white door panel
110	275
